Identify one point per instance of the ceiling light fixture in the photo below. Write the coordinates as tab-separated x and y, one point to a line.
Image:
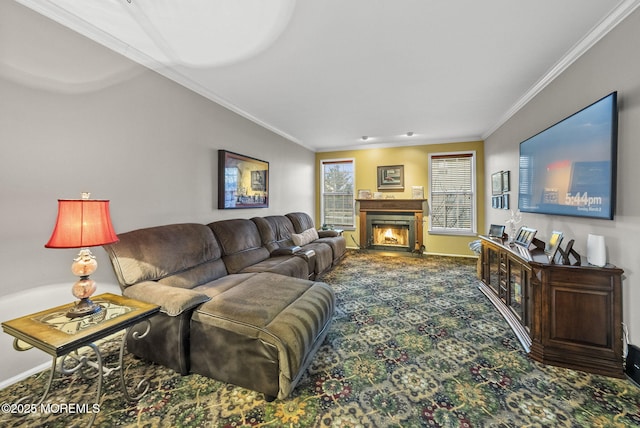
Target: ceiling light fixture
410	134
365	138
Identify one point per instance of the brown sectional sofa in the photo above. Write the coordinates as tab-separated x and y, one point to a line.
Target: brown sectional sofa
233	307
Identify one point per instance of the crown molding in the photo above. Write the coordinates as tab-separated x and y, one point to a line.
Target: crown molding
601	29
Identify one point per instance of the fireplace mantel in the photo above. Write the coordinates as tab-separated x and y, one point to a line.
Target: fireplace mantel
391	205
415	206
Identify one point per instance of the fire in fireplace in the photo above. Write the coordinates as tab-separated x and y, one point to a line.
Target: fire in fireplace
384	234
395	232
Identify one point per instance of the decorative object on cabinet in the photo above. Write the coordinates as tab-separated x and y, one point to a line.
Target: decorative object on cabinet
596	250
568	252
83	223
391	177
515	218
243	181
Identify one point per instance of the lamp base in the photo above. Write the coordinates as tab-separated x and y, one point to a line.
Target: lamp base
83	308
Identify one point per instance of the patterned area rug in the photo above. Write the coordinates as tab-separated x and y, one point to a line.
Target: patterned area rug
414	343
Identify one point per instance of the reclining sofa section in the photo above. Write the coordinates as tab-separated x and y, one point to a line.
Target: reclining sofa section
229	310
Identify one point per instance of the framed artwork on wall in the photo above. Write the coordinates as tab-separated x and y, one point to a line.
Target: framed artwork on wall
506	181
391	177
496	183
243	181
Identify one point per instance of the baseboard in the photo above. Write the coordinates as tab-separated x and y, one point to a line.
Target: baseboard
22	376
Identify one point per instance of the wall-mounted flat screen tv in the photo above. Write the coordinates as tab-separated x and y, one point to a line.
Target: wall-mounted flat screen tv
570	168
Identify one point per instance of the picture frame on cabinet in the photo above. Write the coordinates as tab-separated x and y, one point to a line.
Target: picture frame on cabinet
554	243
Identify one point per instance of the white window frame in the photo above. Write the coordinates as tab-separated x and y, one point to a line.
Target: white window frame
472	231
353	191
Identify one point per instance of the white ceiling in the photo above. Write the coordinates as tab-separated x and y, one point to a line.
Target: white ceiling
324	73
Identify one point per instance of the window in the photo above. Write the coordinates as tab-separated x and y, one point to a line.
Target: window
337	184
452	193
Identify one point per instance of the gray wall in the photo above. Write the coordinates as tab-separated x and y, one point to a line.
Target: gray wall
612	64
76	117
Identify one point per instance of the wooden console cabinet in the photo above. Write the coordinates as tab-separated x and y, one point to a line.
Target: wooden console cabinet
568	316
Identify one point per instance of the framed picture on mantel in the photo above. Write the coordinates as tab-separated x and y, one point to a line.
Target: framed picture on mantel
391	177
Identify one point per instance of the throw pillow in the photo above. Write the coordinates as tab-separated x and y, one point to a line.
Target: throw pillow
305	237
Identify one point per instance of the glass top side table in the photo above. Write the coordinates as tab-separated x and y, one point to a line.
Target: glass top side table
52	332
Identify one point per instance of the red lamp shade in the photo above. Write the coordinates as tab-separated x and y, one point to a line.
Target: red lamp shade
82	223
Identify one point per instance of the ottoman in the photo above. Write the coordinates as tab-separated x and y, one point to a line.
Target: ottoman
262	333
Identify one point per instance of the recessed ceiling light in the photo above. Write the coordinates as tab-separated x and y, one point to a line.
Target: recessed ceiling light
410	134
365	138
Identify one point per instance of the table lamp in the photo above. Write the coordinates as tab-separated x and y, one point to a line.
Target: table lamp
83	223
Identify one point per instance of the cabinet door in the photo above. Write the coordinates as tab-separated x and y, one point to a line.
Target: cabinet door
492	269
504	277
518	289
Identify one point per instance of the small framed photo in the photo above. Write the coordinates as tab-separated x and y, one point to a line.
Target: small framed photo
496	183
554	243
525	236
364	194
506	181
391	177
505	201
417	192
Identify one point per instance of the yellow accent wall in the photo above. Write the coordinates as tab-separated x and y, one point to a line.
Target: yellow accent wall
416	162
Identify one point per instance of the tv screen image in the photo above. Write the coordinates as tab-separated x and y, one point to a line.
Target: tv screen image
570	168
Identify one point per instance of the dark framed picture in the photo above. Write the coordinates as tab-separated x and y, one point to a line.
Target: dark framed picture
506	181
505	201
391	177
243	181
496	183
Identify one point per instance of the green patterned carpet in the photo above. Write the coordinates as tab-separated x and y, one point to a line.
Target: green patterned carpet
414	343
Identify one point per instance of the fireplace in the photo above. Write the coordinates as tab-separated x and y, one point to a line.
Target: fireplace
394	232
391	224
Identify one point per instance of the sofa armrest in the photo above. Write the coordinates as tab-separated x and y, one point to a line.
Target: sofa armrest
172	300
285	251
328	233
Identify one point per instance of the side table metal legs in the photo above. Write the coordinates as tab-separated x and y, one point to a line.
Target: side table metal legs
83	362
143	386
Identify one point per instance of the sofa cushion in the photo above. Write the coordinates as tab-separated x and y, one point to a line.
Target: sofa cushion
275	231
302	221
241	243
305	237
179	255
